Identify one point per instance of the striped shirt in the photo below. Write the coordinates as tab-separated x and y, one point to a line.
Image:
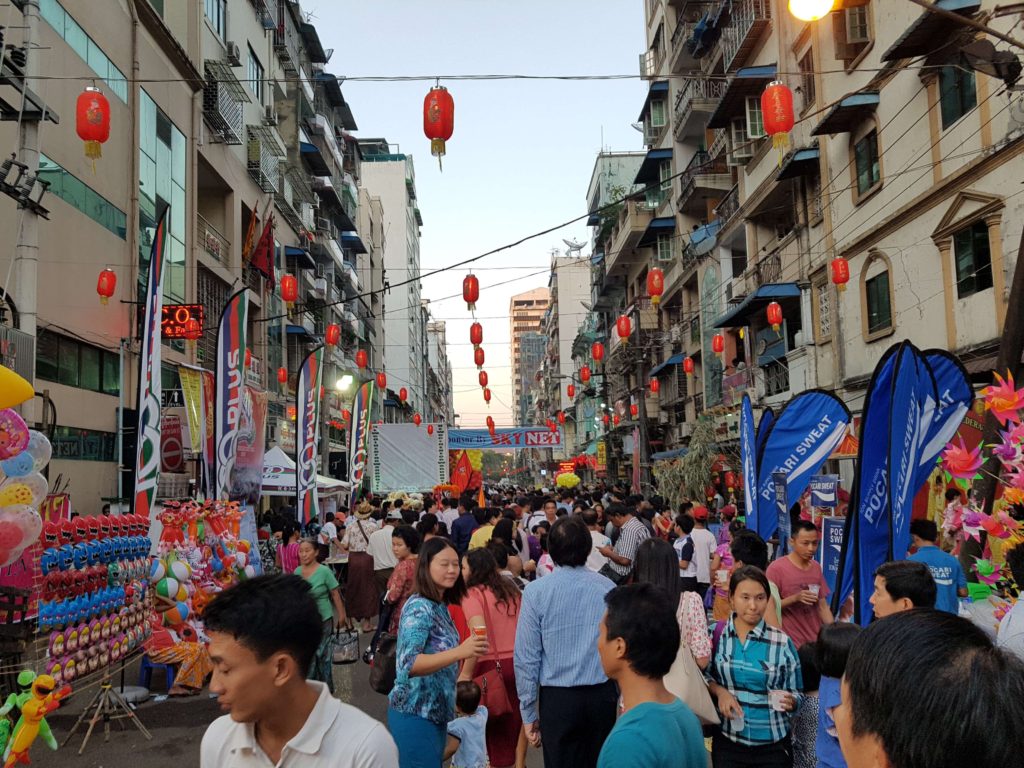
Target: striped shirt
767	661
556	637
630	536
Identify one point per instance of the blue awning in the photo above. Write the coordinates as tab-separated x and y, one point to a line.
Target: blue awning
658	89
802	162
930	30
705	232
674	360
665	225
650	168
314	159
748	81
302	256
353	241
298	330
846	115
757	301
672	454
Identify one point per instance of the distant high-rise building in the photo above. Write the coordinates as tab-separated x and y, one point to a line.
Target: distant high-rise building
526	314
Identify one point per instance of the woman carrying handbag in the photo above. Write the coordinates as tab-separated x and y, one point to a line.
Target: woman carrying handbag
492	607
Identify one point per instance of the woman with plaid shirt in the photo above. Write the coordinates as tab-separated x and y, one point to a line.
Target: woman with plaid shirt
749	660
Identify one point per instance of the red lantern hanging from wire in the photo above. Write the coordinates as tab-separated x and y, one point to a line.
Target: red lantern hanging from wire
655	285
561	417
775	316
482	378
346	414
616	420
92	121
634	410
487	395
106	284
570	391
403	394
430	429
470	291
490	422
478	357
688	366
248	359
597	351
332	334
655	386
606	418
382	380
777	111
362	359
289	290
624	327
840	272
438	119
476	335
193	330
585	374
282	375
417	419
718	343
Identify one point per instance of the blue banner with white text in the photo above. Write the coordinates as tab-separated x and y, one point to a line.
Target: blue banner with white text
748	458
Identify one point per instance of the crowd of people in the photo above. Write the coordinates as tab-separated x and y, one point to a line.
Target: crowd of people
607	629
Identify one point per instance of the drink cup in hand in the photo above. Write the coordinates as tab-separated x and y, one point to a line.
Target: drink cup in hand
722	576
777	700
814	589
737	722
480	631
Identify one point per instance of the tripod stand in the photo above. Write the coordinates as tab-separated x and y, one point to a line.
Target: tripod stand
106	705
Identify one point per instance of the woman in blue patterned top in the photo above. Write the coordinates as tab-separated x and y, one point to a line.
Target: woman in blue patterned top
755	677
423	699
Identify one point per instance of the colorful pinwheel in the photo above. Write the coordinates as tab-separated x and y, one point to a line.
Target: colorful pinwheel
960	462
1004	399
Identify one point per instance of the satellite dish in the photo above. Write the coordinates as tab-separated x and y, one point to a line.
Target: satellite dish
573	247
638	127
983	57
703	241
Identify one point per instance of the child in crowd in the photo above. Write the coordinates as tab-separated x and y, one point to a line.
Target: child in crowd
831	652
467	742
723	560
805	724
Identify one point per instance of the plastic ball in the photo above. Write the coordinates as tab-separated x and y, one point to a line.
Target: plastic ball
250	572
167	587
176	615
157	571
180	570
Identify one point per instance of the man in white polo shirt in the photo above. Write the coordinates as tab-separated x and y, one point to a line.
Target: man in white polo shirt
263	634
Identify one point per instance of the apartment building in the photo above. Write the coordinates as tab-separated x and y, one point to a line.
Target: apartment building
526	311
439	373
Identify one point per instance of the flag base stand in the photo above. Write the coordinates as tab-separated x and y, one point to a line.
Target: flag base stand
106	706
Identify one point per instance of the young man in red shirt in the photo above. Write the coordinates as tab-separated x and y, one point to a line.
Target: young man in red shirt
802	586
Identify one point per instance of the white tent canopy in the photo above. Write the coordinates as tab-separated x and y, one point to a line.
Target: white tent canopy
279	477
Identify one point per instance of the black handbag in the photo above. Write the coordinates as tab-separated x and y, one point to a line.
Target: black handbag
383	663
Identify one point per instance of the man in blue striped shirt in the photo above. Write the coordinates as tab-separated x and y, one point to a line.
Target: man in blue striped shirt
556	661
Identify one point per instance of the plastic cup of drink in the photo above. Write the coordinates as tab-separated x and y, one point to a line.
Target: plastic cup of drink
480	631
722	575
777	700
737	722
814	589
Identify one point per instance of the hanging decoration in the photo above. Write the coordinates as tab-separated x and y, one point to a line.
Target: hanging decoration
655	386
478	358
624	326
282	375
382	380
606	418
430	429
248	359
106	284
289	290
487	395
471	291
616	419
332	335
570	391
688	366
417	419
561	417
597	351
775	316
92	121
585	374
718	343
655	285
362	359
476	335
634	410
346	414
777	110
403	394
193	330
438	120
482	378
840	272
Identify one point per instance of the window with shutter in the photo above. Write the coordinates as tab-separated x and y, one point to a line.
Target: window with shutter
851	30
755	120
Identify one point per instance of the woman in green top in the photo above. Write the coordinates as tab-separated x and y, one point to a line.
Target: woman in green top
324	588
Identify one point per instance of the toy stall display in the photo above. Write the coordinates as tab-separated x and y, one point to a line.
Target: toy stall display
94	601
43	696
23	454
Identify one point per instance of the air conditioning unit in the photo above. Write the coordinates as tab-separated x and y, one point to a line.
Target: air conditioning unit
676	334
234	55
269	116
320	271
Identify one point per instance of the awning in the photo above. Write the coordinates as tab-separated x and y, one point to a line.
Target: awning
847	114
650	168
674	360
757	301
593	219
353	241
664	225
302	257
802	162
672	454
314	158
659	88
279	477
332	88
314	47
981	365
748	81
929	30
299	330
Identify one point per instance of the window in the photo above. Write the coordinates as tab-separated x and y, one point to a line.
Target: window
74	191
957	93
866	154
254	73
879	307
806	66
53	13
158	6
851	31
658	113
973	260
216	14
77	364
664	247
814	197
755	120
823	309
72	443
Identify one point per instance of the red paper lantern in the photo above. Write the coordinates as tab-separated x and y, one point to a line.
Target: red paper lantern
478	357
470	291
597	351
438	119
775	315
282	375
430	429
476	335
606	418
655	386
634	410
570	391
106	284
561	417
362	359
403	394
482	378
487	395
616	420
382	380
490	422
332	335
718	343
655	285
417	419
624	327
248	358
585	374
777	111
840	272
92	120
193	330
289	289
688	365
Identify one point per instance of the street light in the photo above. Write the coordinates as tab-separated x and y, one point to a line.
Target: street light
810	10
344	382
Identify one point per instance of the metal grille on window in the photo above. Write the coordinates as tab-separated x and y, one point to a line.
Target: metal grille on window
212	293
823	293
223	97
264	155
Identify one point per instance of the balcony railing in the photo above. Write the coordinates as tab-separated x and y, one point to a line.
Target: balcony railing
699	92
749	19
286	39
768	269
213	242
720	143
776	378
698	404
728	206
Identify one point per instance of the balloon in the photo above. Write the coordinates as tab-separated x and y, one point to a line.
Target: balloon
29	490
28	524
18	466
13	434
10	534
240	559
14	390
39	449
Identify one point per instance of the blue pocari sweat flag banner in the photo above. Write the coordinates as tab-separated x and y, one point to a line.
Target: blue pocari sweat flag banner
953	387
763	426
748	458
798	442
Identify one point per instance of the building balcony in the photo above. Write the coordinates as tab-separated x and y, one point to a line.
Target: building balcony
728	207
694	104
630	227
212	241
750	18
704	177
681	59
287	39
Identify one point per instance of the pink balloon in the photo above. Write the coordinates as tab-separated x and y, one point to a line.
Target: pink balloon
6	557
10	534
13	433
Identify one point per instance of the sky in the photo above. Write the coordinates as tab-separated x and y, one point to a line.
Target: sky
522	153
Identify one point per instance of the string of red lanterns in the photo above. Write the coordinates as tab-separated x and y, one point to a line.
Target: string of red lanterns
478	357
471	291
570	391
482	378
476	335
362	359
